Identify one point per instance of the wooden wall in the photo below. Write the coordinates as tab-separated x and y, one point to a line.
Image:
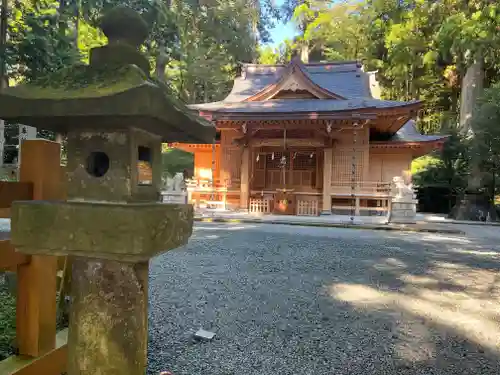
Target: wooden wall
203	163
227	159
343	151
386	164
372	165
230	157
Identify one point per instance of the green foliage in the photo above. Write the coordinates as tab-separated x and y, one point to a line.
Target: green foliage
419	48
268	55
337	30
423	163
281	55
7	323
484	148
211	42
469	31
176	161
447	170
203	42
35	46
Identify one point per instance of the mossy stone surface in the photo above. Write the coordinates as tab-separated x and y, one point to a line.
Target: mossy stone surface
80	82
120	182
124	24
125	232
108	332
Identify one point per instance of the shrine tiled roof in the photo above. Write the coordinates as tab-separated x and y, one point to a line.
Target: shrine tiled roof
410	134
299	105
343	78
346	85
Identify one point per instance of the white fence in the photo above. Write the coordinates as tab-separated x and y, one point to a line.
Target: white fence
260	206
307	208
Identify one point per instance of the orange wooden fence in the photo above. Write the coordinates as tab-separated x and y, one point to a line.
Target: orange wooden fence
42	351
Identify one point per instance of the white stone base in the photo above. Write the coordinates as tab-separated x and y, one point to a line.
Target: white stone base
403	212
173	197
351	220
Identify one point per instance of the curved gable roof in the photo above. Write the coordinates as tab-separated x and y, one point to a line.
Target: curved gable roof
294	77
344	80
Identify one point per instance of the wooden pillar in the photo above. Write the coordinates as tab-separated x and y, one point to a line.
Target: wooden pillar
327	181
357	207
37	280
245	179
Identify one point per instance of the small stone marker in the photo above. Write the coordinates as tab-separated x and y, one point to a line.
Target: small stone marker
203	335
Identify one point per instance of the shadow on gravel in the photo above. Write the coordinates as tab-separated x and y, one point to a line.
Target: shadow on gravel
294	303
444	304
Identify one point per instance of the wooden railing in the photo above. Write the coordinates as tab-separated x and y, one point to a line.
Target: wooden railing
41	349
366	188
203	185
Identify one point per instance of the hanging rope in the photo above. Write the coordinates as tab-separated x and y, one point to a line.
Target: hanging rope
354	170
212	198
283	160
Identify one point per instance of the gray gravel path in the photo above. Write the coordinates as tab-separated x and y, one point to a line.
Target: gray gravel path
291	300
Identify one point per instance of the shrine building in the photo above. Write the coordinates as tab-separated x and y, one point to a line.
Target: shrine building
306	139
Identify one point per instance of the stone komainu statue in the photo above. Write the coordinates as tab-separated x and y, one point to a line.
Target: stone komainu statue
179	183
400	189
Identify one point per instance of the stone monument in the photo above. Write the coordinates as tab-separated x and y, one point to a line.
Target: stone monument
175	189
115	117
403	202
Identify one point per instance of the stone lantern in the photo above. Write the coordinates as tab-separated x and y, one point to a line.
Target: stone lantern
115	117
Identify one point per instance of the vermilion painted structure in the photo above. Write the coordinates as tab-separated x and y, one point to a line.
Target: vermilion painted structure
305	139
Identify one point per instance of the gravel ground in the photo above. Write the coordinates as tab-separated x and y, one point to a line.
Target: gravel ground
291	300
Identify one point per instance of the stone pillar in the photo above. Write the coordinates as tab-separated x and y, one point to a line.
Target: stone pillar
109	320
327	181
245	179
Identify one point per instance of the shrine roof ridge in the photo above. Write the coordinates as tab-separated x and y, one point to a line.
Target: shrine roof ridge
301	105
263	68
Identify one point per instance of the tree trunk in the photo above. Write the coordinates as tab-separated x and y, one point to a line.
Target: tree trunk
161	63
4	80
475	205
76	34
62	19
472	87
